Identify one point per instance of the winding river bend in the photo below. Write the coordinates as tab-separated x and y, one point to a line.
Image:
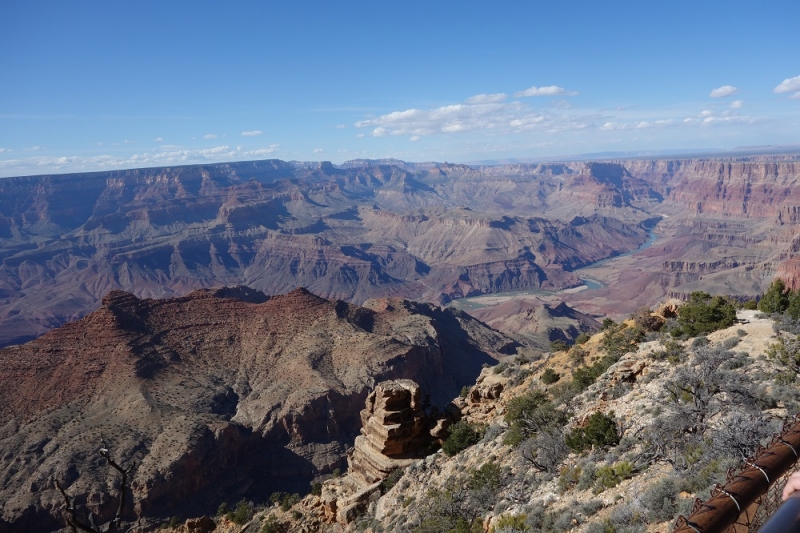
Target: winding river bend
474	302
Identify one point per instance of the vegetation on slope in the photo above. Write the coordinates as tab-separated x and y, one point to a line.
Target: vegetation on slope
651	419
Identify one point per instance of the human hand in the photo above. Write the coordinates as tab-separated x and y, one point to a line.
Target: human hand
792	485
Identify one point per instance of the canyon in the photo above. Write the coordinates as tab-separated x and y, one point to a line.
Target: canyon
221	326
433	232
214	394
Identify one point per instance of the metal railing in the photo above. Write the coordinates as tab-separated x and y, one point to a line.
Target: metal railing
750	494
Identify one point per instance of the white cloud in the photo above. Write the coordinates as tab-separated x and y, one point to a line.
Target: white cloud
414	138
340	126
4	150
211	136
33	149
319	151
158	139
795	96
789	85
272	149
482	112
639	125
359	135
705	113
486	98
164	157
730	119
722	92
254	133
550	90
737	104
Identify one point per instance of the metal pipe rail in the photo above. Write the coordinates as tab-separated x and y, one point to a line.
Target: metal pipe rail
737	499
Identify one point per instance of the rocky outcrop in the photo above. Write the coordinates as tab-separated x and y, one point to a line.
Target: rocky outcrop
203	524
543	322
215	397
394	434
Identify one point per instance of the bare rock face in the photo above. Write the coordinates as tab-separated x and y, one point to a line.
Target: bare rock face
669	308
352	233
394	434
540	321
220	395
393	426
203	524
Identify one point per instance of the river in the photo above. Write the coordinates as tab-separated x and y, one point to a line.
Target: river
590	284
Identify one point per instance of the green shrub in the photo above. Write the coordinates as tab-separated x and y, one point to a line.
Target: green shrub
704	314
550	376
464	391
284	500
488	476
786	352
289	501
507	523
271	525
661	500
620	340
794	305
569	477
776	299
519	406
600	430
577	355
528	414
591	507
673	352
462	436
610	476
242	513
700	341
584	376
582	338
558	345
391	480
499	368
608	324
450	509
223	509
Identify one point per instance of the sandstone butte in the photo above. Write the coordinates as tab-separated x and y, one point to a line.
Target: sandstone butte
216	393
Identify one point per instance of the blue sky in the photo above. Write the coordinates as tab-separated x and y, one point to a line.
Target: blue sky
118	84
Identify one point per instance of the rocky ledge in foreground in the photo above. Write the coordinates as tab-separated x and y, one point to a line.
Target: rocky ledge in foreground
214	396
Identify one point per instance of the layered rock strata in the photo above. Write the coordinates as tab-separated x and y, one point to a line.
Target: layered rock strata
394	434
